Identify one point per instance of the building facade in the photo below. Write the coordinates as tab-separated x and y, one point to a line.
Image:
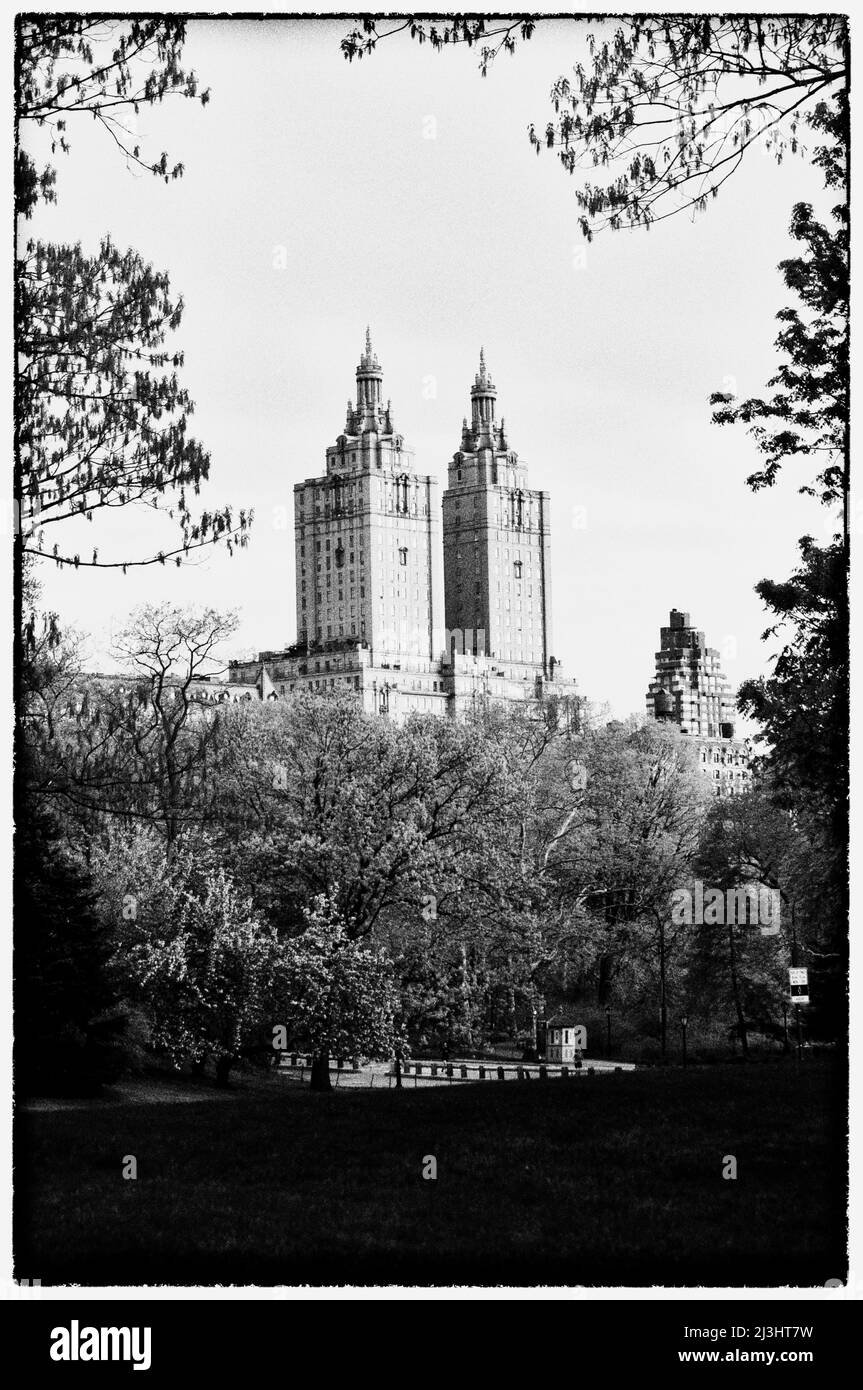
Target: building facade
367	533
409	616
564	1039
690	690
497	545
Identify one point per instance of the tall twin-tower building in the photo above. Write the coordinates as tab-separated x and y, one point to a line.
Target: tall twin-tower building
414	601
437	604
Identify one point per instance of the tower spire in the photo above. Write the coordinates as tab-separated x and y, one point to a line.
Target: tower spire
483	395
369	412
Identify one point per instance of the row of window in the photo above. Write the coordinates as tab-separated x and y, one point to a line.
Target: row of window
353	682
319	631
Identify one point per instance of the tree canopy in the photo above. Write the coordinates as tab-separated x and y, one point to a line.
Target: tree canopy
69	66
667	106
102	416
806	417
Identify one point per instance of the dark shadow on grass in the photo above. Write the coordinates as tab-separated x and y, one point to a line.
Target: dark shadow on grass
612	1181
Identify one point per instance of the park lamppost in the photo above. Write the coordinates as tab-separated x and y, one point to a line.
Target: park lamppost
683	1022
608	1031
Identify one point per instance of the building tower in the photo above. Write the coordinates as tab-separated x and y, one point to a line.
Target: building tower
497	539
370	573
689	686
690	690
368	539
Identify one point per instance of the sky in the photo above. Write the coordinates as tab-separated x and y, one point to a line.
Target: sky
402	192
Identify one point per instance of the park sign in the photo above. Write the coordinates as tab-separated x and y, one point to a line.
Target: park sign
798	980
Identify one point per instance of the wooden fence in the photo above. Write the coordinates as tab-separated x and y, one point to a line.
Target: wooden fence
449	1071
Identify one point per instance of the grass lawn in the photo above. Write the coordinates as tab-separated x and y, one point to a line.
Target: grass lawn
602	1180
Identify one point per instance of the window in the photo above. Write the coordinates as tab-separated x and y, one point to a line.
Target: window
403	554
516	568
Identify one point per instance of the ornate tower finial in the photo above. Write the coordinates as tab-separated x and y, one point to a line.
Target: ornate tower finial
483	395
369	378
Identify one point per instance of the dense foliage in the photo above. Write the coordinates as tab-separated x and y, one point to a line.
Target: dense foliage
374	887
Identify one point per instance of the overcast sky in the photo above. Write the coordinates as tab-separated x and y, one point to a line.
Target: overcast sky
314	202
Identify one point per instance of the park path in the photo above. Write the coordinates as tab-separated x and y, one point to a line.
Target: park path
375	1076
379	1075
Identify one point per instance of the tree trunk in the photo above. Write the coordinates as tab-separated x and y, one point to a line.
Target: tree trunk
320	1080
663	1000
223	1068
606	974
510	1000
466	998
735	991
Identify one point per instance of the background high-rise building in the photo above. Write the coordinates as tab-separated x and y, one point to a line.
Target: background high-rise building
497	542
690	689
370	568
689	685
368	537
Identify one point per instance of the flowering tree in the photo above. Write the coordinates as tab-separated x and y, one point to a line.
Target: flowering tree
211	980
340	995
